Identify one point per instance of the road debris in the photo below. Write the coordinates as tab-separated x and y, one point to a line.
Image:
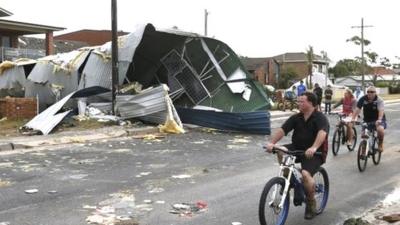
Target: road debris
236	223
181	176
4	183
188	209
31	191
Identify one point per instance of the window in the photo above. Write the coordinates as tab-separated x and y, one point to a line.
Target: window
5	41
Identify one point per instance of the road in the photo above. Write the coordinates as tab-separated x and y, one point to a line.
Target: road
227	171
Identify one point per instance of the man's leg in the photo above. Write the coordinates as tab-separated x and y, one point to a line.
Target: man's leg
309	187
349	133
381	134
326	107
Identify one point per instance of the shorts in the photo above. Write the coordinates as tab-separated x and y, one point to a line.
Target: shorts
372	126
310	165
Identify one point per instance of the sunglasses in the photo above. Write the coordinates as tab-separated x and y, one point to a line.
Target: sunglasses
370	91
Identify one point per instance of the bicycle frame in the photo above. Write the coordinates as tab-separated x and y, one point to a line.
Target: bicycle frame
288	163
369	135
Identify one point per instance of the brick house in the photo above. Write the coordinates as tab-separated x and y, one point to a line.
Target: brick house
10	31
91	37
298	61
268	70
265	70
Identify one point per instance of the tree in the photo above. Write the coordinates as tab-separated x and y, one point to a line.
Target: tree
287	77
385	62
397	64
357	40
310	60
346	67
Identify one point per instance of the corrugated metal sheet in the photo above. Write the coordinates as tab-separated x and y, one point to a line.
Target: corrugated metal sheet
147	102
49	118
257	122
97	72
45	96
13	78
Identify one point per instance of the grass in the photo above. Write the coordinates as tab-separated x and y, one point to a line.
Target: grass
9	127
391	97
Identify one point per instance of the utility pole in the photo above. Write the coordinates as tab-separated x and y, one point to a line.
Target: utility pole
114	53
362	50
205	22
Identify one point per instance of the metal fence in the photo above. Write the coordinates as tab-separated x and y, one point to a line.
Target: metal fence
11	54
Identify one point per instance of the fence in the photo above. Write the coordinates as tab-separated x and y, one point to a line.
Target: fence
11	54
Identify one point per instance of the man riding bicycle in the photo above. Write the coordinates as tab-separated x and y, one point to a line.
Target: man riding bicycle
349	103
310	133
373	110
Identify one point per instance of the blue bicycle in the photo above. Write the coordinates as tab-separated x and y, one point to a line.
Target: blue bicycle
275	197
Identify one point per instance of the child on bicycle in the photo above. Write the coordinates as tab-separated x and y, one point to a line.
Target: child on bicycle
310	133
349	103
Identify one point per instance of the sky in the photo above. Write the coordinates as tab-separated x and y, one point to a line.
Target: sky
252	28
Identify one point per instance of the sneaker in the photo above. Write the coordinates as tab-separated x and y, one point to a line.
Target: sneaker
349	143
311	209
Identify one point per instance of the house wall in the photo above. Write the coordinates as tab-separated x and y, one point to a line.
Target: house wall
266	73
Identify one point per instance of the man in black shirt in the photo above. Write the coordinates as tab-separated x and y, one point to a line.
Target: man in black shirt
373	109
310	133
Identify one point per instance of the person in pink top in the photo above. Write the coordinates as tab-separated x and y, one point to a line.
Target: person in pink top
349	103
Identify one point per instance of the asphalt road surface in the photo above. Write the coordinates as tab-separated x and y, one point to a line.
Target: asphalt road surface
131	177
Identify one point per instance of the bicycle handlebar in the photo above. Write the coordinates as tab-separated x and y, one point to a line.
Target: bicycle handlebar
282	149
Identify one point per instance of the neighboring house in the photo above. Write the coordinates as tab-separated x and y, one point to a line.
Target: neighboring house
381	70
355	81
91	37
298	61
265	70
10	31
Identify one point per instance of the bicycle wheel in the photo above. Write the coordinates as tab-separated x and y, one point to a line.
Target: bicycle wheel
321	189
281	106
269	212
336	141
376	155
362	156
353	146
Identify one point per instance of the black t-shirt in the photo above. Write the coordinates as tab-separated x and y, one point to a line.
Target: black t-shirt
305	132
371	109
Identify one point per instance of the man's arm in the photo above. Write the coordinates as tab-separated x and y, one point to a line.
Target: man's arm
275	137
319	140
355	114
381	106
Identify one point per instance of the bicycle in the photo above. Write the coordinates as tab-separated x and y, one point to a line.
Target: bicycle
368	146
275	197
340	135
287	104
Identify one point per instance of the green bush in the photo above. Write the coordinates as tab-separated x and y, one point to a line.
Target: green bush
382	84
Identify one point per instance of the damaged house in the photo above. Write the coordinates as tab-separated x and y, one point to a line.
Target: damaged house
204	79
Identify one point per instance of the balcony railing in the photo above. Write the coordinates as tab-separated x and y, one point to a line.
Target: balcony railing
11	54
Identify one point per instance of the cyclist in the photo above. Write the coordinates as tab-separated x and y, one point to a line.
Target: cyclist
310	133
373	110
349	103
290	94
